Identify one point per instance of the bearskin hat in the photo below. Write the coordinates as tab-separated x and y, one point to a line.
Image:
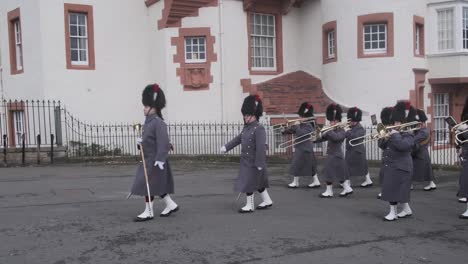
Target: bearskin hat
306	110
354	114
420	116
153	96
252	106
386	115
464	115
403	112
334	112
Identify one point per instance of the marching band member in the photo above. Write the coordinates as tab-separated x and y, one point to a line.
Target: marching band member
463	180
398	165
356	155
156	145
422	169
335	168
253	171
385	117
303	162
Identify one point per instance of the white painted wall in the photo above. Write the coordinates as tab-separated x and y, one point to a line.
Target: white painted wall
371	83
28	85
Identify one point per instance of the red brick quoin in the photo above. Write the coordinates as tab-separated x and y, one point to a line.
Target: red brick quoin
194	76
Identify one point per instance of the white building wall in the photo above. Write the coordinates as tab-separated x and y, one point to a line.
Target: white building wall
29	84
371	83
111	92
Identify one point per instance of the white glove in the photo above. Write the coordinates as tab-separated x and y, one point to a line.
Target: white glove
139	141
223	149
259	168
159	164
297	123
462	127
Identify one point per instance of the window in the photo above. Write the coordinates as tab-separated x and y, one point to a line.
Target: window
18	121
15	41
417	48
195	49
375	35
465	27
441	111
79	37
445	29
331	44
263	41
375	38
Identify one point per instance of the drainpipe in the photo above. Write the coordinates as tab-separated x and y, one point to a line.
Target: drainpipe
220	57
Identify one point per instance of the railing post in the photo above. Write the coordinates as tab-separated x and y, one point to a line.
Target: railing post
58	125
5	145
23	150
51	148
38	140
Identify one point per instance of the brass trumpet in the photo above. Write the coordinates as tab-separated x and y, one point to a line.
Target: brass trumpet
290	123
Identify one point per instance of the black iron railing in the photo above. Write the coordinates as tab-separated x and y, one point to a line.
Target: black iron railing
34	124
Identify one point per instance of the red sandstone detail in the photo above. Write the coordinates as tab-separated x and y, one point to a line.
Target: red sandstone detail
284	94
149	3
175	10
419	22
194	76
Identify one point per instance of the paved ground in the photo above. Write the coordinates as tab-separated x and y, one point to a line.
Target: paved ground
78	214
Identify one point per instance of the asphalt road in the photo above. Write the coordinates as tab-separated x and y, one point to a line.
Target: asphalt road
78	214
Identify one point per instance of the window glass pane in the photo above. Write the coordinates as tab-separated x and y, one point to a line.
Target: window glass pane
374	45
366	29
82	19
73	31
74	55
381	45
73	19
83	56
74	43
202	56
367	45
82	31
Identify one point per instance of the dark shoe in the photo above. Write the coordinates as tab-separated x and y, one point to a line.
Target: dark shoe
245	212
429	189
138	219
391	220
367	185
293	187
170	212
325	196
463	217
346	194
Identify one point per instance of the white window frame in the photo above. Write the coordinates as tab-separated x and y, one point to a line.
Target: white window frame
417	48
261	48
440	126
85	37
18	121
192	52
331	44
445	37
465	28
374	50
18	44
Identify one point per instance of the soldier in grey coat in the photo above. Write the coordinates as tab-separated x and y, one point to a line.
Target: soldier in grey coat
303	162
253	170
156	145
335	169
463	152
356	154
385	117
398	164
422	167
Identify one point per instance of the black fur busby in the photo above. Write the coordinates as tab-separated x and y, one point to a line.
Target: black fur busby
354	114
153	96
403	112
306	110
386	115
334	112
464	115
421	116
252	106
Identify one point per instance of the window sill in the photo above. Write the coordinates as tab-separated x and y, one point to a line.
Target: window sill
81	67
16	72
264	72
374	55
330	60
448	54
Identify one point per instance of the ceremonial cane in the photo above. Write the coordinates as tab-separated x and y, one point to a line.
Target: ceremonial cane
146	178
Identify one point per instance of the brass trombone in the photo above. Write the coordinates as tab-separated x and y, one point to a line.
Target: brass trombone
369	137
298	140
382	132
290	123
326	129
